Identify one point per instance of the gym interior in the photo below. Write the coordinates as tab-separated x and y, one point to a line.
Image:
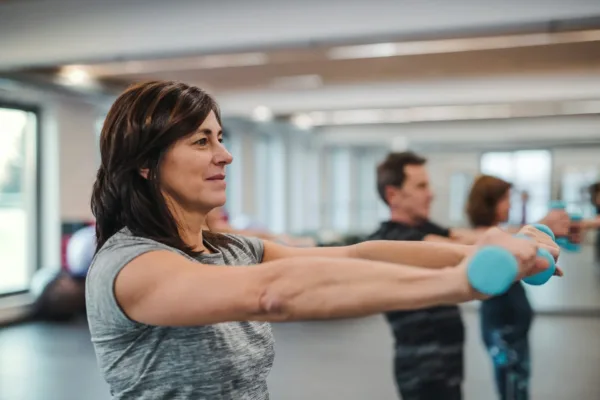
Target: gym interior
313	97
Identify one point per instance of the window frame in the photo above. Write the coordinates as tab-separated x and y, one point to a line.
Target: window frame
36	220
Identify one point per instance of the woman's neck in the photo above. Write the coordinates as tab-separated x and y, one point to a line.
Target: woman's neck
191	225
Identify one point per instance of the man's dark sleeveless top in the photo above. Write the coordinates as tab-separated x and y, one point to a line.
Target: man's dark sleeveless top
429	341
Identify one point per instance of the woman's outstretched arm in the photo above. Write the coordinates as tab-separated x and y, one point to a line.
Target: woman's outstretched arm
164	288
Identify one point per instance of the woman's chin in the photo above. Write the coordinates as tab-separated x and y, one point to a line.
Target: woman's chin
219	201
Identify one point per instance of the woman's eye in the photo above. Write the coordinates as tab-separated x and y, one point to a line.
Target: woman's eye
202	142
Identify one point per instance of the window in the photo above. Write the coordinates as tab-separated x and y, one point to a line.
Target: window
277	179
271	182
575	183
527	170
304	191
371	209
460	185
312	190
340	189
18	199
234	173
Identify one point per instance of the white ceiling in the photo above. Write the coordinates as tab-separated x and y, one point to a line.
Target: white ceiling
49	32
302	57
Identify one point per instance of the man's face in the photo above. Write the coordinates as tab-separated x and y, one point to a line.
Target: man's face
415	196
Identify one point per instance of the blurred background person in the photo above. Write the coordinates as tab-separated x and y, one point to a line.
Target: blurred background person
218	221
428	343
506	319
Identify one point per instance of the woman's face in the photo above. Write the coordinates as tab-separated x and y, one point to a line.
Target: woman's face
193	169
503	208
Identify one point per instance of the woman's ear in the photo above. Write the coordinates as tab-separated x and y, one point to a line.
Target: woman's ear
144	172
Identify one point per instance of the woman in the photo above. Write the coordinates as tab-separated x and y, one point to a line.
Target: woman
218	221
173	310
505	319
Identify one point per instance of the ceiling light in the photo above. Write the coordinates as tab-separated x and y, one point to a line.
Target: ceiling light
297	82
581	107
232	60
460	45
75	75
262	114
179	64
455	113
350	117
364	51
318	118
303	121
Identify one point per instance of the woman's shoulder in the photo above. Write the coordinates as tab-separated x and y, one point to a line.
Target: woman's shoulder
236	245
123	247
125	239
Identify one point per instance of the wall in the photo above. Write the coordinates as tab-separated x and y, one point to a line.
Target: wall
441	167
78	155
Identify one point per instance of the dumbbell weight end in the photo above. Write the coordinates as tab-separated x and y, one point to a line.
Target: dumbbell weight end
492	270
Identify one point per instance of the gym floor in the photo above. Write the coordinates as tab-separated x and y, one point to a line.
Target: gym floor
348	359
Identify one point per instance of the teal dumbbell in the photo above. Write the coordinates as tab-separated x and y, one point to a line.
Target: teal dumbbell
544	276
493	269
564	241
545	229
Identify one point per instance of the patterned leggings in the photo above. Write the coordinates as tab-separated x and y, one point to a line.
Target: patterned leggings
511	365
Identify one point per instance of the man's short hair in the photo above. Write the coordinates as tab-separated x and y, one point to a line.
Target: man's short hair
391	171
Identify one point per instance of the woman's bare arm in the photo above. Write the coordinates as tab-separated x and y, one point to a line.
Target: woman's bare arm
420	254
163	288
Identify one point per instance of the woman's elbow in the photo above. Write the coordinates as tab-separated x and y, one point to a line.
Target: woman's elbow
279	292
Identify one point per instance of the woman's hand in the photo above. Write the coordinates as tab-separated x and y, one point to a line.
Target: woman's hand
543	241
523	249
558	221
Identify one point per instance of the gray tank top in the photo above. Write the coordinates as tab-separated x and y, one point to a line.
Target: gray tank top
222	361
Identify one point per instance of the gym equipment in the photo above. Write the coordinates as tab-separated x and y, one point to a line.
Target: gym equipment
59	296
544	276
493	269
564	241
80	251
545	229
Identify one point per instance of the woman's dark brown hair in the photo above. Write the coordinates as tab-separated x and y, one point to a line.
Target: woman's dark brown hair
140	127
486	193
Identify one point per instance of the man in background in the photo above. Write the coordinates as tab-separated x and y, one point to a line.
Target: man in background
428	360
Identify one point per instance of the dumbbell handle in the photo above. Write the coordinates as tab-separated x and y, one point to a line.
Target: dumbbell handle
493	269
565	241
